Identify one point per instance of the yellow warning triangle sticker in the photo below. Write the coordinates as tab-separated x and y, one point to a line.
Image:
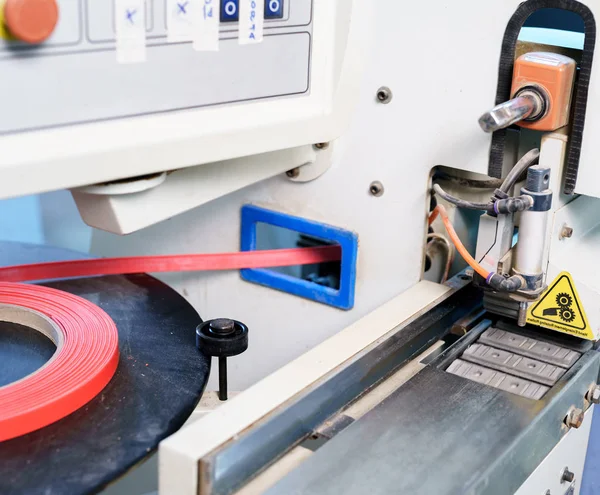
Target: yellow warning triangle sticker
560	308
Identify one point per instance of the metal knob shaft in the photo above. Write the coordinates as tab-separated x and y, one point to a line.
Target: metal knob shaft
529	104
222	338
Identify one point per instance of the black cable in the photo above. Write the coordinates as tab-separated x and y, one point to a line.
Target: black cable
464	182
529	159
460	203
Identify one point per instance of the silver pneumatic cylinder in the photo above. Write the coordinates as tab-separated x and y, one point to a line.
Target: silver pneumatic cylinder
531	246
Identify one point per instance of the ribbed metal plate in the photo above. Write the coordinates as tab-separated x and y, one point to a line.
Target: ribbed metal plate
536	349
497	379
514	364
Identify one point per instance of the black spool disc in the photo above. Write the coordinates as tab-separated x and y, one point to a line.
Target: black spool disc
158	383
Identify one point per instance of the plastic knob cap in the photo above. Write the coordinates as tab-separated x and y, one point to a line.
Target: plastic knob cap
32	21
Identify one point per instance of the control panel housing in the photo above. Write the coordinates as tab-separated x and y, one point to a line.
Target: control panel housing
69	105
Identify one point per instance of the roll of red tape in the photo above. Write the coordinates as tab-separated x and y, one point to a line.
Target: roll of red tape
87	341
85	360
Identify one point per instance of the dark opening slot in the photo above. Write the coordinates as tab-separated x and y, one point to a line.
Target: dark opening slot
552	18
274	237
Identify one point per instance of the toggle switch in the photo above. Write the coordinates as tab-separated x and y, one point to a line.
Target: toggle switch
230	10
273	9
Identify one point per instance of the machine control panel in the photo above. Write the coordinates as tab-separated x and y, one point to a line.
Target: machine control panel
60	64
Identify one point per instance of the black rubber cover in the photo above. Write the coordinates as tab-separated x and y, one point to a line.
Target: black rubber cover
159	381
580	95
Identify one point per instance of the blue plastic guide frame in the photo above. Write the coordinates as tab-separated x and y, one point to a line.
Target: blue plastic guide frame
342	298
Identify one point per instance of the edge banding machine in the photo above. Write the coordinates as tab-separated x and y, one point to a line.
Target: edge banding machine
380	217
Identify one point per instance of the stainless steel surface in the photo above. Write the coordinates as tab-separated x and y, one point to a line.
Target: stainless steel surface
229	467
442	434
544	351
497	379
512	363
508	113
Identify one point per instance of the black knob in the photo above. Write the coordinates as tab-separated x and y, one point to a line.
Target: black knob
567	476
222	338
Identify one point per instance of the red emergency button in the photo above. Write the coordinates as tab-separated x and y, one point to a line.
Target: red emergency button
31	20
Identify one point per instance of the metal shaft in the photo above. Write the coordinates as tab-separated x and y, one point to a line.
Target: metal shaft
222	378
508	113
522	317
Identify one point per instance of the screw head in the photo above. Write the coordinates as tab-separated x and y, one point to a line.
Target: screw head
574	418
384	95
222	326
293	173
566	232
376	188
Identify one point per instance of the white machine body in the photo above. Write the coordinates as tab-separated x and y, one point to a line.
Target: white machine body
221	129
330	65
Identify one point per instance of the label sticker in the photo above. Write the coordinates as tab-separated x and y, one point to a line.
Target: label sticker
180	20
560	308
130	26
251	21
194	20
206	33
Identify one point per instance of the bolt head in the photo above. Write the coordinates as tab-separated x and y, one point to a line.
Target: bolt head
594	394
567	476
566	232
574	418
222	326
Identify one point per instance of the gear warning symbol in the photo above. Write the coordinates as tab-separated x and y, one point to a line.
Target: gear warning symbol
559	308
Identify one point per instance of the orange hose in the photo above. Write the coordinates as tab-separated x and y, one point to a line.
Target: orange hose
441	211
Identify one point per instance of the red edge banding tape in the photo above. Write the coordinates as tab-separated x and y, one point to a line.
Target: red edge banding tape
87	358
81	367
175	263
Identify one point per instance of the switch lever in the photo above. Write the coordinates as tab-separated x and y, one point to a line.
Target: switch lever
528	104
